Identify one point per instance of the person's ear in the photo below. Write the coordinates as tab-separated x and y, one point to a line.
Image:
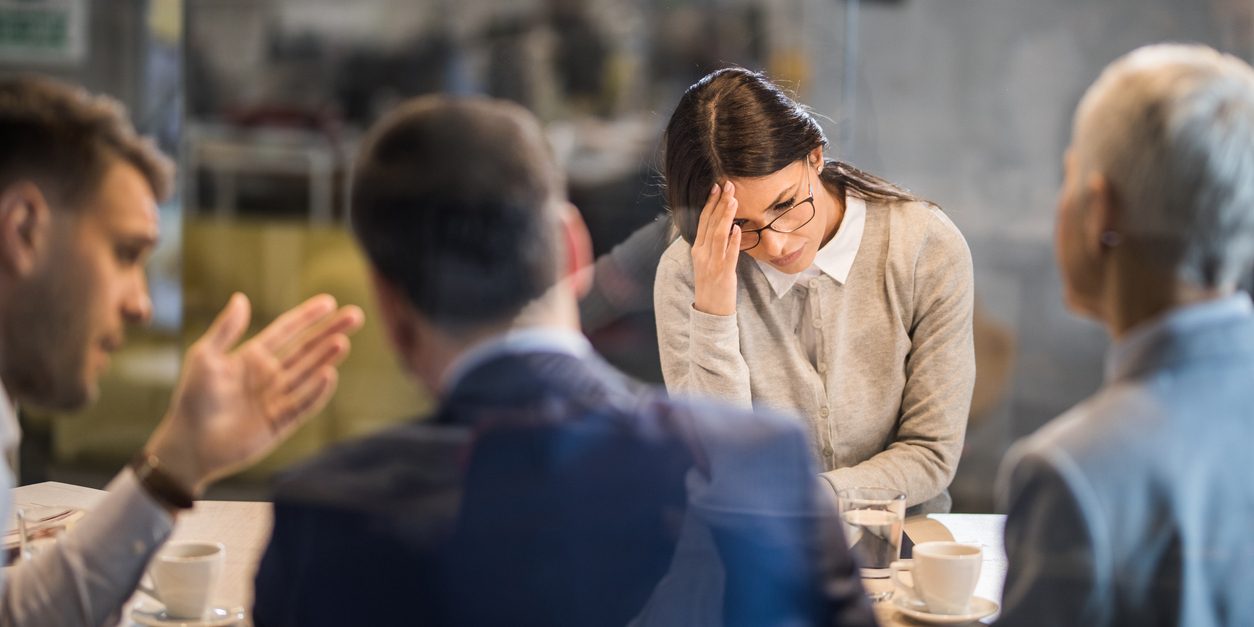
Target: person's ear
815	158
25	223
578	251
397	316
1101	216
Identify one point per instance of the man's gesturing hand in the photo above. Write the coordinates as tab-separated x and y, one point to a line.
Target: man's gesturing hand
233	405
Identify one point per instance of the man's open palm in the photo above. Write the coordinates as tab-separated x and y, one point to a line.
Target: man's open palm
235	404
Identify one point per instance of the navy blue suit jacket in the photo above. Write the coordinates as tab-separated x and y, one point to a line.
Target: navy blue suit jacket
551	490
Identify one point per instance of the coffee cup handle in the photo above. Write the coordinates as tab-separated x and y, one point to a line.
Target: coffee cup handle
145	585
898	567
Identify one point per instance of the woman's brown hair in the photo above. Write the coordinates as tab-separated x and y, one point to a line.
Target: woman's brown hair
735	123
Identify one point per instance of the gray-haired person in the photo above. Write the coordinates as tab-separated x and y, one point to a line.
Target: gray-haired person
1137	506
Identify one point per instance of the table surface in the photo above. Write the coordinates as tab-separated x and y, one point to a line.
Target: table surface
244	528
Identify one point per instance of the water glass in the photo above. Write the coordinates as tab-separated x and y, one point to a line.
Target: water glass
872	519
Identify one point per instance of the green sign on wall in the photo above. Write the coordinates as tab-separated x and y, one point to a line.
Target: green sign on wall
43	31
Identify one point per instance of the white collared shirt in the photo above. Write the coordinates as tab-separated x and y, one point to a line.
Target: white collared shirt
834	259
10	429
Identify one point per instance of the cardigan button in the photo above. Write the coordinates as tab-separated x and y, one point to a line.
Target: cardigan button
823	411
827	451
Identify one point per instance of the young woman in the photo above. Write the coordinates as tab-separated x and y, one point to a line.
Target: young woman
805	285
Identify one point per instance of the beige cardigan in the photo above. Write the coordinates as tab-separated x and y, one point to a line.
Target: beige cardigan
887	403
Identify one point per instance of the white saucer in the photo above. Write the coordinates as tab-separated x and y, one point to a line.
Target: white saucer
214	617
980	607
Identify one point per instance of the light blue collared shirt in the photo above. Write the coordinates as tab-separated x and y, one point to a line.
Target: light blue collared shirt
526	340
1128	352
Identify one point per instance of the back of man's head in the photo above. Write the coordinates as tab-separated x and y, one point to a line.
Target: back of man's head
1172	129
456	202
64	138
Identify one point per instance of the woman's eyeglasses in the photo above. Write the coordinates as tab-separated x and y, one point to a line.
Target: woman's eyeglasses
792	218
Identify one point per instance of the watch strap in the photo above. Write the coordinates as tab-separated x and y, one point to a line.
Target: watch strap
160	484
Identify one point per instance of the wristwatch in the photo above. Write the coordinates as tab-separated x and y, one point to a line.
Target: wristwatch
160	484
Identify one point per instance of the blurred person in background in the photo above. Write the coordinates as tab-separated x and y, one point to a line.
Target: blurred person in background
1137	506
78	217
806	285
546	488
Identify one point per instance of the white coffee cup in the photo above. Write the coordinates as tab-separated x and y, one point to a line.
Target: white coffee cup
185	577
944	575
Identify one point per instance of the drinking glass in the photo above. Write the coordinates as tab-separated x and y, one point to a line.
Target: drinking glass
872	519
39	526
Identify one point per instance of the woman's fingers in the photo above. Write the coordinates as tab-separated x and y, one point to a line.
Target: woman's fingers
726	226
720	220
706	217
728	215
714	260
726	212
732	253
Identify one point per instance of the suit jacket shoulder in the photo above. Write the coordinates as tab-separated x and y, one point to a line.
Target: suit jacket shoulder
550	490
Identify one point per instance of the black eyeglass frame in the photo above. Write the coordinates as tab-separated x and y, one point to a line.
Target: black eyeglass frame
771	225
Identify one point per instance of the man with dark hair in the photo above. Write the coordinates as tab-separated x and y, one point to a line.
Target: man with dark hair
78	191
546	488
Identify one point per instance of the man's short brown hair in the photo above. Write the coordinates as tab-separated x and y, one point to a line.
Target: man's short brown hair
64	138
455	201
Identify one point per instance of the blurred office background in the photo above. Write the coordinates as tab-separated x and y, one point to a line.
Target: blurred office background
965	102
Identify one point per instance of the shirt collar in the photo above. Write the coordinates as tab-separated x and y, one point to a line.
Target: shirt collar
10	430
1138	342
834	259
527	340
